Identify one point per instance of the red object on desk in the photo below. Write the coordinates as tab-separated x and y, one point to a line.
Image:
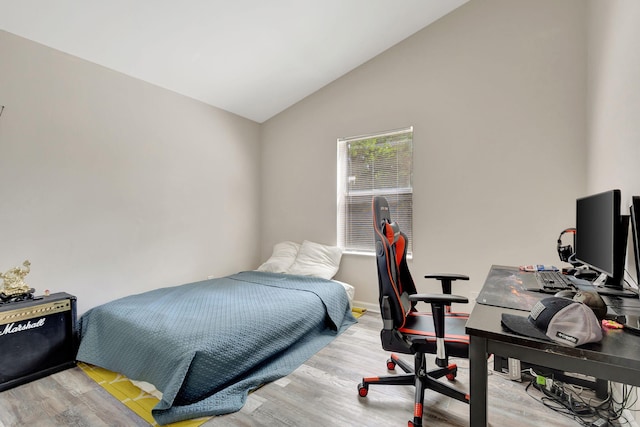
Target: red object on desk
611	324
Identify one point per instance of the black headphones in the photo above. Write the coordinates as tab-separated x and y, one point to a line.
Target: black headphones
565	252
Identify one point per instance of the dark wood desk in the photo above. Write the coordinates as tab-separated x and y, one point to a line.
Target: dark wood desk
615	358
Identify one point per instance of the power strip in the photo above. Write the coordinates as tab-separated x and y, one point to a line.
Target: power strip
556	392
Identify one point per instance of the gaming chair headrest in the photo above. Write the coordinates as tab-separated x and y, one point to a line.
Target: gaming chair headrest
381	214
382	220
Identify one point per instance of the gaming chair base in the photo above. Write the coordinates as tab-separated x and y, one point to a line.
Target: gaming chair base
422	380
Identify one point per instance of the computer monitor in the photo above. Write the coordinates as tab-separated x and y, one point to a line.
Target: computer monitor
635	233
601	238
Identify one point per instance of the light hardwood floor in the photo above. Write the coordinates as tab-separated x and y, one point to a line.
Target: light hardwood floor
321	392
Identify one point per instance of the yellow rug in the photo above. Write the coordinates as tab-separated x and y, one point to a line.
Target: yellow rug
134	398
357	311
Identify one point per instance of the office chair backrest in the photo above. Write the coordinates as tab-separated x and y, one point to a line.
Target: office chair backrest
394	279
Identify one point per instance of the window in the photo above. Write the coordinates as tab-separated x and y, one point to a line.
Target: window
374	165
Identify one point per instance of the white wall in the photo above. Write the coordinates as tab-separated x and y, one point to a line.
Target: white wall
614	99
496	92
614	95
112	186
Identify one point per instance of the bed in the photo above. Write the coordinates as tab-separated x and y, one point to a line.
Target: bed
206	345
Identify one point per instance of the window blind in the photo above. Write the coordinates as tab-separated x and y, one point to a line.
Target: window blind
374	165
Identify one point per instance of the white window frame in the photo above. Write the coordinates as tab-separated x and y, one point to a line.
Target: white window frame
355	239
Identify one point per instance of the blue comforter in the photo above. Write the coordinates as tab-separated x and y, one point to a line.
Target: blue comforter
205	345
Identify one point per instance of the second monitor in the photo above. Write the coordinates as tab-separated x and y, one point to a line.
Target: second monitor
601	239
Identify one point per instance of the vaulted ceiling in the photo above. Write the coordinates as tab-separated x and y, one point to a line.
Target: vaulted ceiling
253	58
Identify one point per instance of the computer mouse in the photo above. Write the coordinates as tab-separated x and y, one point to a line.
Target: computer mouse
593	301
567	293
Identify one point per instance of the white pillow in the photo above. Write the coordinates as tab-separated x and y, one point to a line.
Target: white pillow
317	260
282	257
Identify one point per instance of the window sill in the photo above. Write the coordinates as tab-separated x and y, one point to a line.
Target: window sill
368	254
357	253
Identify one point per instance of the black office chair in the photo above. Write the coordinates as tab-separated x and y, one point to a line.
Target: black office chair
405	330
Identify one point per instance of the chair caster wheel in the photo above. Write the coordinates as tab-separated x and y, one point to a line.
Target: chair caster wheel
363	390
391	364
452	376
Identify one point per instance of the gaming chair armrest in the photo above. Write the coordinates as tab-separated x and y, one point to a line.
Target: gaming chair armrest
445	299
442	276
446	279
439	302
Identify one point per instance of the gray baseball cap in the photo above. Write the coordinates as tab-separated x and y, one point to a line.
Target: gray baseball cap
561	320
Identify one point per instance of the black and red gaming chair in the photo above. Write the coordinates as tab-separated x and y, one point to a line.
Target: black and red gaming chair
406	330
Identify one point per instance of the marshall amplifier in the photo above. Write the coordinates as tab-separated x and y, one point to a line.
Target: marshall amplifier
37	338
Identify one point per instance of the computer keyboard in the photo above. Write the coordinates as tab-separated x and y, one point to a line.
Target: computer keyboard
553	280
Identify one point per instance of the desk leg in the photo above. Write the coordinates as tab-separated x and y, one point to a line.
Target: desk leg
478	381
